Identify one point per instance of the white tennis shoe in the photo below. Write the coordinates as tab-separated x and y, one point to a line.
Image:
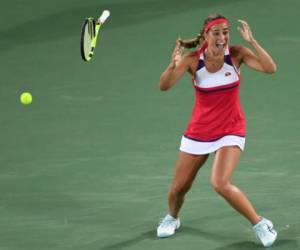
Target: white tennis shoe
168	226
265	232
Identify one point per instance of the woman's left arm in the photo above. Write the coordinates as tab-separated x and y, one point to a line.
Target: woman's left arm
260	60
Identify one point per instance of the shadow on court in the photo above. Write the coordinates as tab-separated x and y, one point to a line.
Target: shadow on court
200	233
151	235
290	244
66	23
248	245
127	243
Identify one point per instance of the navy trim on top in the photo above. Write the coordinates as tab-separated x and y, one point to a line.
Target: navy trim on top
227	59
200	64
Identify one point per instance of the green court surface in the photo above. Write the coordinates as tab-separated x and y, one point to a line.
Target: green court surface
87	166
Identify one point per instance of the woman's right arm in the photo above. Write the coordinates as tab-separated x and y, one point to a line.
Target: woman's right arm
175	70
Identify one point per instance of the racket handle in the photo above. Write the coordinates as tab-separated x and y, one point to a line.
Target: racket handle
105	14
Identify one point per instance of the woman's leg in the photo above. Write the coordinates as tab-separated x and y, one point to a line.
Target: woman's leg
225	161
186	169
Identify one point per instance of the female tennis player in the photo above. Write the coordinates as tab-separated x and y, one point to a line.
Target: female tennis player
217	124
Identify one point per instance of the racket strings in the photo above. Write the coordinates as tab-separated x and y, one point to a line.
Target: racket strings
91	28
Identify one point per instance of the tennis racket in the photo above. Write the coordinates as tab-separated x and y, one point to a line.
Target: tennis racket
89	35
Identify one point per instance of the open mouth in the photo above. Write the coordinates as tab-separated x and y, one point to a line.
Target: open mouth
220	45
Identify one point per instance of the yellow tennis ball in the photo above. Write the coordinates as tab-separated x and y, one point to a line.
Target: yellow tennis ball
26	98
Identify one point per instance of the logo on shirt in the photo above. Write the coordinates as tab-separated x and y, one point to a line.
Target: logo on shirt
227	74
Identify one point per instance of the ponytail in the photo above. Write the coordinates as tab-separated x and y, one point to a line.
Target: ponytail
192	43
199	40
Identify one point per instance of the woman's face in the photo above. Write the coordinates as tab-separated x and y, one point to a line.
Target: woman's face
217	37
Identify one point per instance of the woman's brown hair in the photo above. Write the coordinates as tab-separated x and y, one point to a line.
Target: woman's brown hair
199	39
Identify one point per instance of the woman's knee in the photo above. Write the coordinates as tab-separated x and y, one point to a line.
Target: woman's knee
220	186
179	189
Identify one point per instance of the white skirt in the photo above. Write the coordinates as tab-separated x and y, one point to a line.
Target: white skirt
199	147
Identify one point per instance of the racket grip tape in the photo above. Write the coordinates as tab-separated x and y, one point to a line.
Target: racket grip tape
105	14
